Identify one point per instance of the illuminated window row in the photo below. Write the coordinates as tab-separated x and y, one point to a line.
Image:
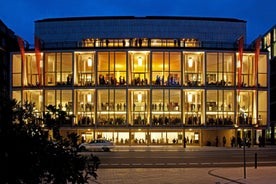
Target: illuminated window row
155	107
139	68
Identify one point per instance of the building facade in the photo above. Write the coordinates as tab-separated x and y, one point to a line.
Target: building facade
268	42
8	43
147	81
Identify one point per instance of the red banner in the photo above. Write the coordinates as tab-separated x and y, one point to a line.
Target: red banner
257	54
22	52
38	58
240	49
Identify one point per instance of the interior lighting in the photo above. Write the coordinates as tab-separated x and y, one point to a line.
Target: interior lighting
89	97
190	62
139	97
190	97
89	61
140	61
238	64
238	98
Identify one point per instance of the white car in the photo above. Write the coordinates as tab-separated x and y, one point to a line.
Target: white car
97	145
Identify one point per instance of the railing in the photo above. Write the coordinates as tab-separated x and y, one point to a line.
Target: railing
147	44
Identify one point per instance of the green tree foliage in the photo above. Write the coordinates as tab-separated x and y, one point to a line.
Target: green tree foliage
27	156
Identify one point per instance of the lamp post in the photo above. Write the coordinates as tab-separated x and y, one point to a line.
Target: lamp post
244	160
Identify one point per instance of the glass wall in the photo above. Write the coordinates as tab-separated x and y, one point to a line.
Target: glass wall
139	68
247	71
112	68
85	107
32	70
58	69
16	70
166	107
139	111
61	99
85	69
220	69
219	107
193	107
262	108
112	107
36	97
166	68
143	89
262	71
193	68
246	111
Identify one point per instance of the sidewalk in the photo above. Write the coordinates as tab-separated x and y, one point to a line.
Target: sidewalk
180	148
261	175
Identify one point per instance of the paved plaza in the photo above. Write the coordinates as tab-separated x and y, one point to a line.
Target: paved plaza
261	175
229	175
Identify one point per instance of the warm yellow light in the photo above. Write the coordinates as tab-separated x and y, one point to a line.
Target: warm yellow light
89	97
238	98
238	64
190	97
89	61
190	62
140	61
139	97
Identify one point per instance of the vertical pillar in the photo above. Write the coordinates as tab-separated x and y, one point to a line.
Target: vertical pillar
130	138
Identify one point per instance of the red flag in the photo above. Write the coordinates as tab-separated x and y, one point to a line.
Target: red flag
22	51
257	54
240	49
38	58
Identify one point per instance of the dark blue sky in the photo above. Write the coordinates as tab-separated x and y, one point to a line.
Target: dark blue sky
19	15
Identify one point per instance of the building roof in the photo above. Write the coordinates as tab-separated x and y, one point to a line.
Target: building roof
146	18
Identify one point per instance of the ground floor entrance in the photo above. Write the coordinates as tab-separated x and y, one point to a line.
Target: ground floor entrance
196	137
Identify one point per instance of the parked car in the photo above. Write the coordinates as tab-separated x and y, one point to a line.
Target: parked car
97	145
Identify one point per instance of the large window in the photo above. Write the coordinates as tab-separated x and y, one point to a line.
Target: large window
166	107
193	107
61	99
219	107
220	69
262	108
85	69
139	68
112	68
139	110
85	107
262	71
16	70
246	108
245	74
193	69
34	96
166	68
112	107
33	70
58	69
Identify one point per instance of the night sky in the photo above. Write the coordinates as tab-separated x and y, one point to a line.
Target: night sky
19	15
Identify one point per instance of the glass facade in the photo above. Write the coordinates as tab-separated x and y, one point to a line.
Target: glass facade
153	96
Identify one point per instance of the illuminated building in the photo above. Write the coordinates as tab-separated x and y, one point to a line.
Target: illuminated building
268	42
147	80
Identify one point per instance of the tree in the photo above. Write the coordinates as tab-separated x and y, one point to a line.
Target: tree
27	156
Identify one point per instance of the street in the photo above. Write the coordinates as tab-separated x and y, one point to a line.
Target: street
177	157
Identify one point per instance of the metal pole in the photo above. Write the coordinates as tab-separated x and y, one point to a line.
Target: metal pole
244	161
255	160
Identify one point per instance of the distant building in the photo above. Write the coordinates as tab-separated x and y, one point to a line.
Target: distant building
147	80
8	43
268	41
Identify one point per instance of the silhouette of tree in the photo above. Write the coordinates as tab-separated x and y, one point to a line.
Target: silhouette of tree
27	155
